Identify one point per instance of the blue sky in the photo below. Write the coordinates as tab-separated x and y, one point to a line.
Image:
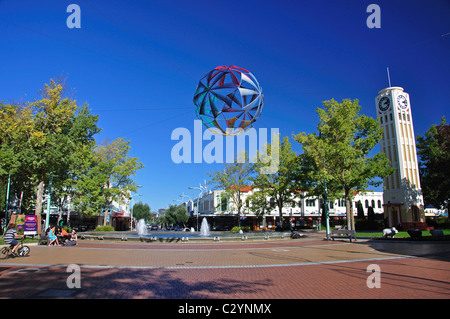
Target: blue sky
137	65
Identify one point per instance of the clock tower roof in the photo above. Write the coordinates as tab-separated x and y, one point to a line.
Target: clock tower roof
390	89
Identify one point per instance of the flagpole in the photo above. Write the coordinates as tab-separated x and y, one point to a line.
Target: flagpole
389	78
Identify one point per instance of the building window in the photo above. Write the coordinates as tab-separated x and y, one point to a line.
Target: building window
310	203
224	205
367	203
218	201
379	203
272	203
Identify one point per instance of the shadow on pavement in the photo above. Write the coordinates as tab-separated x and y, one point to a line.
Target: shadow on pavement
120	283
439	250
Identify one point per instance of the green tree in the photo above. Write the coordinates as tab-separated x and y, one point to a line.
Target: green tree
53	135
88	187
81	138
360	210
259	204
233	178
118	168
370	215
434	164
313	181
141	211
282	184
51	147
342	149
16	129
175	215
49	135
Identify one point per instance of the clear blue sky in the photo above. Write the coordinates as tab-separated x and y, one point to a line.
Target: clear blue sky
137	64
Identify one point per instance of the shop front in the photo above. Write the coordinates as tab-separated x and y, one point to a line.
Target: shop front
120	222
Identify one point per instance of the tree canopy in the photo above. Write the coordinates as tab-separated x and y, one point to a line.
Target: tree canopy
282	184
232	179
341	151
434	165
55	136
175	215
141	211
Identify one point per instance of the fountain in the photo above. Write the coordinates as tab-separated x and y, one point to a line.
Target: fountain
204	229
141	227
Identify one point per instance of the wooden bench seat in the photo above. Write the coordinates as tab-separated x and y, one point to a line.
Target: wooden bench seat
343	233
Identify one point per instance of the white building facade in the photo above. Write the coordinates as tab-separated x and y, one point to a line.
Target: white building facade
306	211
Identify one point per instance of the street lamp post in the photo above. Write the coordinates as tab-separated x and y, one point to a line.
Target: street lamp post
190	199
7	202
131	211
198	200
327	216
47	217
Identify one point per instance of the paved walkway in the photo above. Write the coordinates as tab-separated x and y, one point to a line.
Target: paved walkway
283	269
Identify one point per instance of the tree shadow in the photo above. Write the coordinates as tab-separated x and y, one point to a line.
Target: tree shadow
129	283
166	283
438	250
397	279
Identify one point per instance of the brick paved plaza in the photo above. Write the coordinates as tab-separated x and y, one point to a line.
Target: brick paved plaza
308	268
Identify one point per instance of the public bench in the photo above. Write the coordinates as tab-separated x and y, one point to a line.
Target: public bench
343	233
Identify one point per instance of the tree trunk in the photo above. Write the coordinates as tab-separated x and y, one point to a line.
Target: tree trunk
106	216
348	210
280	209
39	195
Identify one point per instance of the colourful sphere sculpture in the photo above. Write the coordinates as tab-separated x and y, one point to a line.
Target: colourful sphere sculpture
228	100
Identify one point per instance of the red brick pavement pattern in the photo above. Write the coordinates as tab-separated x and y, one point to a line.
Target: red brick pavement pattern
400	278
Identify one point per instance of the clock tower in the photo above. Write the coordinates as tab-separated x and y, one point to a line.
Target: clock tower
403	201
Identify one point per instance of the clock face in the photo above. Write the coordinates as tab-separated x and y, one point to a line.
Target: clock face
384	103
402	102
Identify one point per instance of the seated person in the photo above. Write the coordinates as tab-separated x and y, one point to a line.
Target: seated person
63	235
10	238
74	236
73	239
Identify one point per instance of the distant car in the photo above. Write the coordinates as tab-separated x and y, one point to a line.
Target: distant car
154	227
178	228
80	228
222	227
170	227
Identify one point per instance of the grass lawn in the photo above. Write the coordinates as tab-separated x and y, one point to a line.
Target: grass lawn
401	234
26	241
